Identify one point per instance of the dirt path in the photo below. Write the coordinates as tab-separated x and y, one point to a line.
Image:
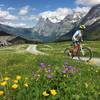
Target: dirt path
94	61
33	49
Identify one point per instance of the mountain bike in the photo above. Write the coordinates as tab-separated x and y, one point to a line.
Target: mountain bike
83	53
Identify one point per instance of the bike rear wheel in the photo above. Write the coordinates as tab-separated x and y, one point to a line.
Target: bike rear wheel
87	56
66	51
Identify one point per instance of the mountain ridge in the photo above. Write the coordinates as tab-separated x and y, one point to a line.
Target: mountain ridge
47	31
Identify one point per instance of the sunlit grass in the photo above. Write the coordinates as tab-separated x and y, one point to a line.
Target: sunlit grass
82	84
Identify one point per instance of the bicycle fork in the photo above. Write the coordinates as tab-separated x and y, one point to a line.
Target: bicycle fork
82	50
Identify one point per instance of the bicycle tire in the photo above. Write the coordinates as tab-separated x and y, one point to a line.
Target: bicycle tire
85	57
66	51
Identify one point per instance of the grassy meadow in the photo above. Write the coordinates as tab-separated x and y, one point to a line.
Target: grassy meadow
24	76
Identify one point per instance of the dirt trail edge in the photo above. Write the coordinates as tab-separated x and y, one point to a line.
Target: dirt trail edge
94	61
33	50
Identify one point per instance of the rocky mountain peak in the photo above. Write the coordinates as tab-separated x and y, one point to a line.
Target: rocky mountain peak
92	16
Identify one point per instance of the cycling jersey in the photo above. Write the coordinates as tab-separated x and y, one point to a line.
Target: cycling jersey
77	36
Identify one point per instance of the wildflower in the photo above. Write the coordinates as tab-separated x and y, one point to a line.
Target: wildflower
45	94
50	70
70	68
1	93
4	83
6	78
26	85
53	92
64	71
15	81
65	63
49	76
64	75
42	65
14	86
18	77
96	71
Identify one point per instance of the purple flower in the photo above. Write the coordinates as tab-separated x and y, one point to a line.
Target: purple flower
50	70
42	65
65	63
49	76
64	71
70	68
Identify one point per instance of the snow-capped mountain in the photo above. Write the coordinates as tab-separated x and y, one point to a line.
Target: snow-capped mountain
47	28
49	31
92	22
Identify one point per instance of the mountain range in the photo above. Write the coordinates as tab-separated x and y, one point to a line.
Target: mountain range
47	31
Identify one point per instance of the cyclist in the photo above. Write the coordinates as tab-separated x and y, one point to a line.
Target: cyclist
77	38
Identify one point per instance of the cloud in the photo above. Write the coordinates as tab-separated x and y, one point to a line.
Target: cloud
60	13
33	17
11	9
24	10
6	16
87	2
21	25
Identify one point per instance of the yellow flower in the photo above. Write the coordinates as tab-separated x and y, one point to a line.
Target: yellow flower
6	78
96	71
14	86
18	77
53	92
26	85
4	83
1	92
15	81
64	75
45	94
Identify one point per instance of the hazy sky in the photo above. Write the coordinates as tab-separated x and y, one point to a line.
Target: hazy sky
25	13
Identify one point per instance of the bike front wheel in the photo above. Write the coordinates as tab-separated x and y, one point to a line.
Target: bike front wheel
85	54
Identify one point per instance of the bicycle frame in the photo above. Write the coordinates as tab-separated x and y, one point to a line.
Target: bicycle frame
81	46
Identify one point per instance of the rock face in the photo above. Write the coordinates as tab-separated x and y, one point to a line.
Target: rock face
52	31
92	16
46	28
92	21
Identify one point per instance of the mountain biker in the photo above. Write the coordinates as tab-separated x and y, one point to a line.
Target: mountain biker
76	38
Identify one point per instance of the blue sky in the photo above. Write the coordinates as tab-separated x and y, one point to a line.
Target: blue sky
25	13
41	5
